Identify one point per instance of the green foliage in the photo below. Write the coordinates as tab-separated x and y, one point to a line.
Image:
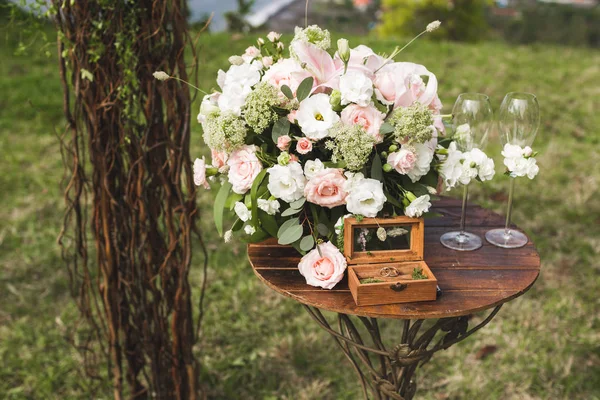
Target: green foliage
462	20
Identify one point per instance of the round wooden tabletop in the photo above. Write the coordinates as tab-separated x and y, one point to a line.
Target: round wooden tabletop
470	281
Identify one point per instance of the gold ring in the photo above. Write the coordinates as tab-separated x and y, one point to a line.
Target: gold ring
389	272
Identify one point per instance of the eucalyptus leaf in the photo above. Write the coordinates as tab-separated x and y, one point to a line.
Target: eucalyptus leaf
290	211
304	88
285	89
291	234
298	203
307	243
287	224
322	229
280	128
219	206
386	128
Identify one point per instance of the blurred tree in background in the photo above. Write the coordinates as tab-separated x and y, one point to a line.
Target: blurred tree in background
463	20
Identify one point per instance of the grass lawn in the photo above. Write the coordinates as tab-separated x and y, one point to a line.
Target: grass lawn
259	345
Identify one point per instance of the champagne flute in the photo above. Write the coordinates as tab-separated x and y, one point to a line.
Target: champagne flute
472	119
518	123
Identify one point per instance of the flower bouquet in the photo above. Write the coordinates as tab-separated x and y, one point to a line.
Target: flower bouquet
300	141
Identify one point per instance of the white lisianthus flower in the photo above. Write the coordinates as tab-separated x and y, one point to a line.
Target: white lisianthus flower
312	168
209	105
352	180
315	116
339	224
271	207
418	206
227	236
287	182
356	87
451	168
424	157
242	211
366	198
249	229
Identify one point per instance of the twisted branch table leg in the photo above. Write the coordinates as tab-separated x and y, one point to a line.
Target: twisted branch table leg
390	374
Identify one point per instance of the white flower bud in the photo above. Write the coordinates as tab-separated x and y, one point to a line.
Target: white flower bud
433	26
236	60
273	36
343	50
260	41
161	75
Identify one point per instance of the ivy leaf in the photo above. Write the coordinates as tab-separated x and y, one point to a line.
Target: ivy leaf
304	88
219	206
285	89
291	234
307	243
376	168
280	128
386	128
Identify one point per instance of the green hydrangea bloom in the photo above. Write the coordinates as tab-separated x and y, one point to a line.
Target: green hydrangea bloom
412	124
258	110
321	38
351	144
224	131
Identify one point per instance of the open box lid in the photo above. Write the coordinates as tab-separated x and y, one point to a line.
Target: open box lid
403	240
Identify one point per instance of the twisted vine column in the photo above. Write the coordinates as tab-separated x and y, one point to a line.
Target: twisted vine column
126	154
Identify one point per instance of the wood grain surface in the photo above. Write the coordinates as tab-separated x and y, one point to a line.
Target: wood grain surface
470	281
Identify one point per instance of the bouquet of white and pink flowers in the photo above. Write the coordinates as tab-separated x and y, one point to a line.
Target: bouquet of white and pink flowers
299	142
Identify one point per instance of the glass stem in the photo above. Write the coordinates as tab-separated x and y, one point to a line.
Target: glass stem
463	214
511	190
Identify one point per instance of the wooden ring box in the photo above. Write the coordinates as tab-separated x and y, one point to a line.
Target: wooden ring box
402	260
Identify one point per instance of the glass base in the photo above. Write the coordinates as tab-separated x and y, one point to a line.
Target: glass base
461	241
512	240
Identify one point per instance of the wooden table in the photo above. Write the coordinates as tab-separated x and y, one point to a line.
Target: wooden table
470	281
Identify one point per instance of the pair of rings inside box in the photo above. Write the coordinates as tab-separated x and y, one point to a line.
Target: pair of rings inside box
389	272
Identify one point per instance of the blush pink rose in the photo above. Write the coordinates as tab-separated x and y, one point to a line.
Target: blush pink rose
283	142
292	116
326	188
244	166
284	72
325	269
200	173
219	158
402	161
267	61
293	158
370	118
304	146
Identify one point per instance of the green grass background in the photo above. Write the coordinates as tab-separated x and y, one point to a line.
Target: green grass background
257	344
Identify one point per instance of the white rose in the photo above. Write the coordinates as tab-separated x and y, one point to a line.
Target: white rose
315	116
366	198
242	211
287	182
249	229
356	87
451	169
418	206
271	207
312	168
424	158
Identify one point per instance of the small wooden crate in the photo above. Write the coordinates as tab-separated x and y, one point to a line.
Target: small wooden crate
403	260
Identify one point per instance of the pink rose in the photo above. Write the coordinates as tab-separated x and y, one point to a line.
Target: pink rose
200	173
284	72
304	146
292	116
402	161
252	51
244	166
368	117
293	158
326	188
219	158
267	61
283	142
325	269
